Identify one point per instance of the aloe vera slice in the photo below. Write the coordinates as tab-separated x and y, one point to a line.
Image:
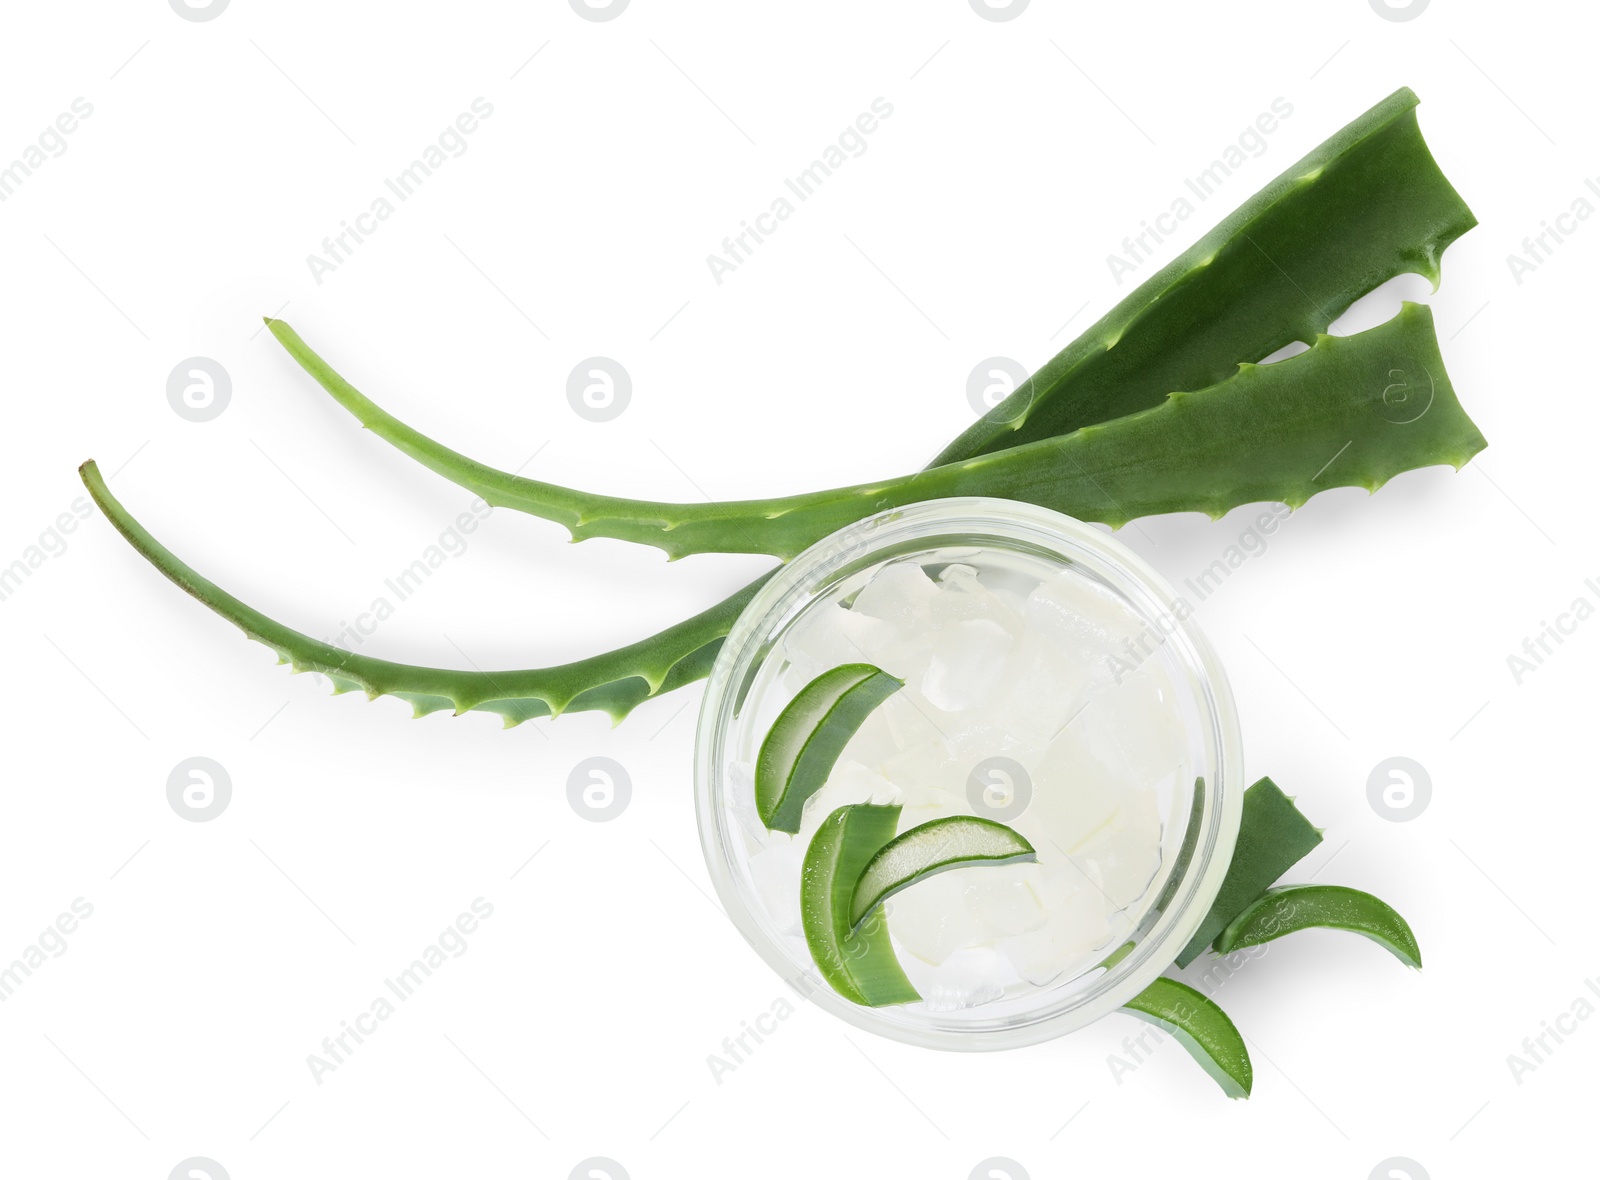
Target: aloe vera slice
1289	908
808	737
1283	432
859	964
1200	1027
1273	837
934	847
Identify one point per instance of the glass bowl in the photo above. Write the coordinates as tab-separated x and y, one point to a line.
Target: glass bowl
1200	821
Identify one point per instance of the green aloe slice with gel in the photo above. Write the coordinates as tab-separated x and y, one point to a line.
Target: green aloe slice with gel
859	964
1200	1027
808	737
1273	837
934	847
1301	907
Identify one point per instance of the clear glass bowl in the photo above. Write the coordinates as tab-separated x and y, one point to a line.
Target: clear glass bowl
746	691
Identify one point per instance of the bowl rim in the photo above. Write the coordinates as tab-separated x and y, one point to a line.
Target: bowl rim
1071	539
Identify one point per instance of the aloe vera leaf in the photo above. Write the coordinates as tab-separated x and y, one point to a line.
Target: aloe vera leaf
1367	204
1411	178
1289	908
1382	149
809	735
1334	416
614	682
1364	206
1329	417
859	964
1273	838
1202	1028
956	842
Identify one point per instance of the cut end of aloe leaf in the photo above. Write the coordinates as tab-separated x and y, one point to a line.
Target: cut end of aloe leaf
805	741
934	847
1202	1028
1291	908
1367	204
1273	837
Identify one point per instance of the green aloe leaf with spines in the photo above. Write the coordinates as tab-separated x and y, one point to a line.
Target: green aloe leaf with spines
1101	431
614	682
1367	204
1351	411
1323	419
1379	159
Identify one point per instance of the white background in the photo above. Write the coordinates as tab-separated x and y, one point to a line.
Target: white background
218	156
